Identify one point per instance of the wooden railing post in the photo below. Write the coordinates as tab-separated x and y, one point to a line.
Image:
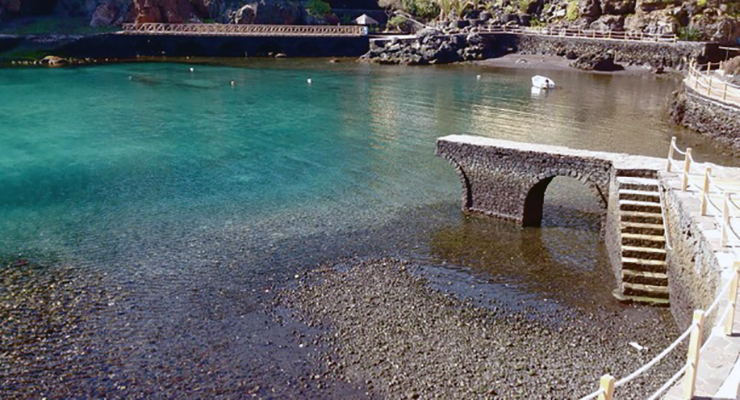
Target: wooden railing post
709	87
692	362
724	92
725	218
705	191
607	384
670	153
732	298
686	169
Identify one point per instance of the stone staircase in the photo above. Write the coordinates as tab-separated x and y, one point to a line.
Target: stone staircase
644	279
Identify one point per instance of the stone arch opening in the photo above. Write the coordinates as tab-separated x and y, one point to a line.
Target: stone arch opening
534	203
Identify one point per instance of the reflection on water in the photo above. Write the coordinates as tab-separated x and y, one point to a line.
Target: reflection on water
165	206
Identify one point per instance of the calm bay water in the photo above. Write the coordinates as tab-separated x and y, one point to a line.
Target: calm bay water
164	206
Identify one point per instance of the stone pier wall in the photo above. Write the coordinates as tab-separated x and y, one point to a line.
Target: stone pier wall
498	176
628	52
694	270
714	119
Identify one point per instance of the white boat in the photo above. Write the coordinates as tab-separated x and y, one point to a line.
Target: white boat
542	82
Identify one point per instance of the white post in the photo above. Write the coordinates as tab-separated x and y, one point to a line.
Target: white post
686	169
705	191
670	153
607	384
725	218
689	383
732	298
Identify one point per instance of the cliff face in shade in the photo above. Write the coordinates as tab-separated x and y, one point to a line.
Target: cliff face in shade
171	11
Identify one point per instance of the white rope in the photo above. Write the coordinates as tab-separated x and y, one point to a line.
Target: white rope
656	359
669	382
719	297
593	395
665	221
679	151
691	157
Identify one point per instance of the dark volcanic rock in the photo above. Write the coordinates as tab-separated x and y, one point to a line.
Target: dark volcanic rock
402	339
601	61
429	47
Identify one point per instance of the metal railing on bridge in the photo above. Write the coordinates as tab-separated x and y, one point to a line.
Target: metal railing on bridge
712	83
723	217
152	28
583	33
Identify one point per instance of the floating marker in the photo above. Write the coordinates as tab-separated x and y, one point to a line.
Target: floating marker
233	84
308	80
477	77
191	69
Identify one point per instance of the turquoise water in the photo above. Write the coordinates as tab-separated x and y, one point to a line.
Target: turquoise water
166	205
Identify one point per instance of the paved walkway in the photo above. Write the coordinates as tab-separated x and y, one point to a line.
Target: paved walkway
718	373
719	89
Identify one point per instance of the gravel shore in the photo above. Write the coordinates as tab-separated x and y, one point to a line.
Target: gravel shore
394	336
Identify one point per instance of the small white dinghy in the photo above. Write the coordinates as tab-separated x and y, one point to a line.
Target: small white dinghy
542	82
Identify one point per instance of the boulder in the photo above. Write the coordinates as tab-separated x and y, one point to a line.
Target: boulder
280	12
655	22
589	9
170	11
246	14
617	7
597	61
711	26
105	15
607	23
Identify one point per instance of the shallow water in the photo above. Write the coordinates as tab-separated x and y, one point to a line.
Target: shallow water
165	206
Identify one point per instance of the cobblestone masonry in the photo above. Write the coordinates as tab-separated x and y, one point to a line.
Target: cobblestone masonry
628	52
499	176
711	118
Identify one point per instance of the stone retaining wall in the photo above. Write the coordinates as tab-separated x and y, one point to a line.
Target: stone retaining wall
694	271
711	118
628	52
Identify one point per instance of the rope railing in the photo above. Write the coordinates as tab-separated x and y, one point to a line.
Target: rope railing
702	78
694	332
583	33
607	383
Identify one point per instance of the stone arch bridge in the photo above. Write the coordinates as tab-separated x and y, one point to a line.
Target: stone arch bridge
509	179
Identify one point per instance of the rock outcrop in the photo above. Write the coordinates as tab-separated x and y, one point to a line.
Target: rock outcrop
170	11
429	47
602	61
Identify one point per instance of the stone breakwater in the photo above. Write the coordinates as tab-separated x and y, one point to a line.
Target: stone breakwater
719	121
429	47
399	338
656	54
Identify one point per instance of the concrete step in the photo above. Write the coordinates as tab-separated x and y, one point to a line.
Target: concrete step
642	217
639	195
642	206
642	290
647	301
644	277
648	187
642	228
643	264
636	174
640	240
643	253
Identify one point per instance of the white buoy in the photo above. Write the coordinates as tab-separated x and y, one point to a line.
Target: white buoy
477	77
191	69
233	83
308	80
